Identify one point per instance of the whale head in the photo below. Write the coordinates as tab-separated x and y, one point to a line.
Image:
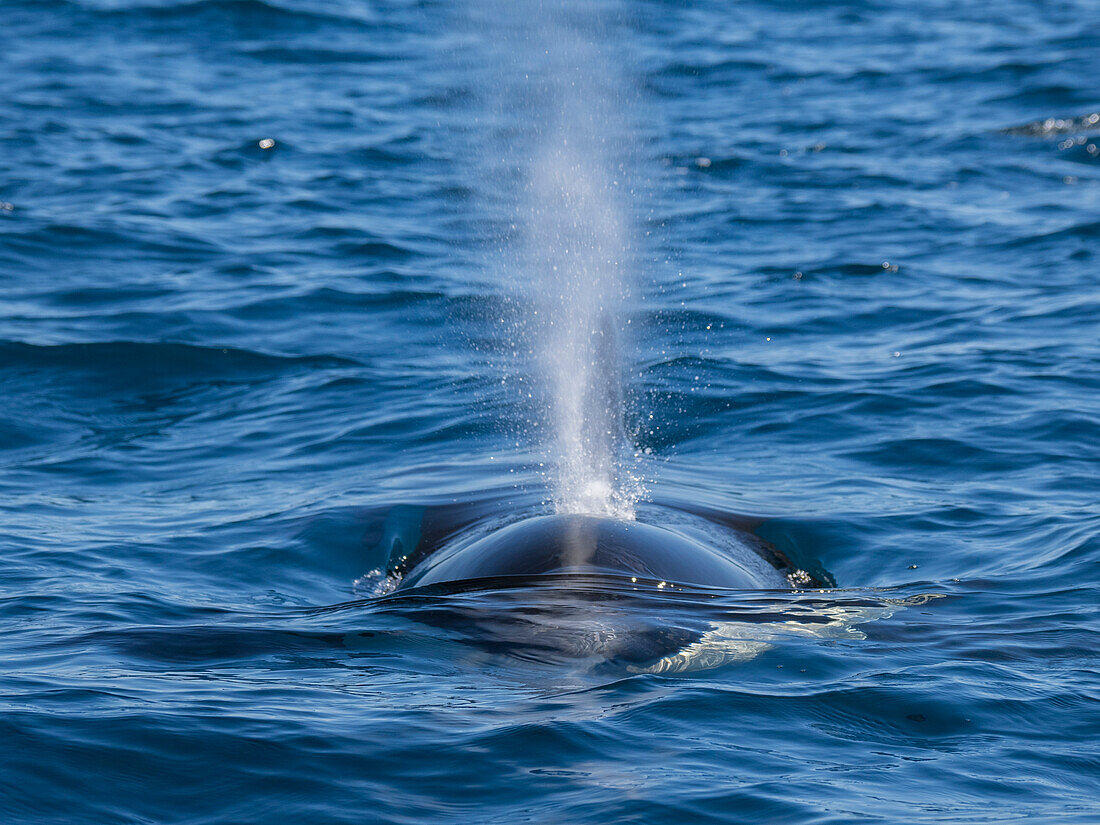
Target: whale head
605	593
580	544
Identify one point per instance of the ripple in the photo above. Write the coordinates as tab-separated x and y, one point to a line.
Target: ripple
240	380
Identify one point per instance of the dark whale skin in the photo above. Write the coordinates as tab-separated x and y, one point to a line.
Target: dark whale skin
562	544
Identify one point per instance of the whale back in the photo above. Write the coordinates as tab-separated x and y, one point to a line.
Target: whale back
562	544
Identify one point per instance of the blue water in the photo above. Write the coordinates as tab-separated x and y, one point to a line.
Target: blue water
864	313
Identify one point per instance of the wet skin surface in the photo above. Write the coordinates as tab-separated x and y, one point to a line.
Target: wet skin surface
588	544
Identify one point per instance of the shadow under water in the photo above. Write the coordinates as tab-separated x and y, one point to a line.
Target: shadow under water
606	596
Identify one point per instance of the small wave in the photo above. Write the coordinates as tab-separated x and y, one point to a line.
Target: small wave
155	358
314	55
250	12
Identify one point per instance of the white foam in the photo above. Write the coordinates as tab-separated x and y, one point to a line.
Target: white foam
730	642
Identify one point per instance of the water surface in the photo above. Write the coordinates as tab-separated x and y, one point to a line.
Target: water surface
863	311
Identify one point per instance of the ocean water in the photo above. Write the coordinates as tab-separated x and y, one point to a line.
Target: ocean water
265	325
